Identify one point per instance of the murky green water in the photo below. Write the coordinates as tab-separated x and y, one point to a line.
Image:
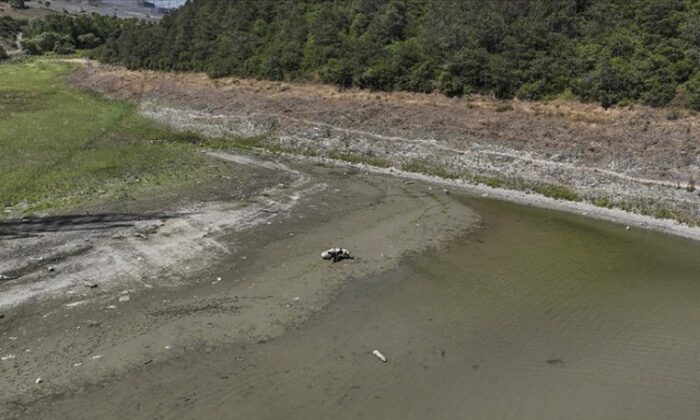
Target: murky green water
537	315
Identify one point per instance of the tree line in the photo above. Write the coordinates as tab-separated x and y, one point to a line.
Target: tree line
63	34
609	51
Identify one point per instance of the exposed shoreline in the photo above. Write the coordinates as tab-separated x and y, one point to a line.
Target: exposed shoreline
559	149
667	226
239	271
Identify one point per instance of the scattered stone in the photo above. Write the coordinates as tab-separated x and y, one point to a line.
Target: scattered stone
140	235
75	365
97	356
379	355
124	298
92	286
51	269
148	362
555	362
627	228
112	307
38	381
7	357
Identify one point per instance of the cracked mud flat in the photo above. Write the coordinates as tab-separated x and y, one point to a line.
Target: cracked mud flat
126	291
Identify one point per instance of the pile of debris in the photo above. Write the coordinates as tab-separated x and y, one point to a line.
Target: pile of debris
336	254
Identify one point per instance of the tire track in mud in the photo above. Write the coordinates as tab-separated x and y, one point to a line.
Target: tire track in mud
132	260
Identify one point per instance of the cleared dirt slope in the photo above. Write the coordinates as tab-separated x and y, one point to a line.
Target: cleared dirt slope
640	159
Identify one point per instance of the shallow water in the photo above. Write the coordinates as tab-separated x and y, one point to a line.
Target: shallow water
536	315
539	315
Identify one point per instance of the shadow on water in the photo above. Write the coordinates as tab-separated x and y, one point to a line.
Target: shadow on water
25	228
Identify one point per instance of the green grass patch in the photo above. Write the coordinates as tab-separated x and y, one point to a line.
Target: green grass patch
60	146
603	202
492	182
423	167
558	192
357	159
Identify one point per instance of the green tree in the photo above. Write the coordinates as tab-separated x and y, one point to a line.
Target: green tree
692	100
607	51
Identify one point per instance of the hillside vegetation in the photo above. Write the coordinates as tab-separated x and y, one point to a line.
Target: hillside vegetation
63	34
607	51
611	52
9	28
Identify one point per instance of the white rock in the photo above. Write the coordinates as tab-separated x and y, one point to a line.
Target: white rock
379	355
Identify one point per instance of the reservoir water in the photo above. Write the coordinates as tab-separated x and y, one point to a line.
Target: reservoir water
536	315
533	315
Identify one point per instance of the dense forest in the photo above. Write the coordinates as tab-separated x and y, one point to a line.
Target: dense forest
613	52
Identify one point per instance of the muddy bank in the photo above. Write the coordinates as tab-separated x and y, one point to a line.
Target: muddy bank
148	292
536	315
636	159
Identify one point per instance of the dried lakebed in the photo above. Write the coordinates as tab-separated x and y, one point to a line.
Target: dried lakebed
535	314
128	292
483	308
